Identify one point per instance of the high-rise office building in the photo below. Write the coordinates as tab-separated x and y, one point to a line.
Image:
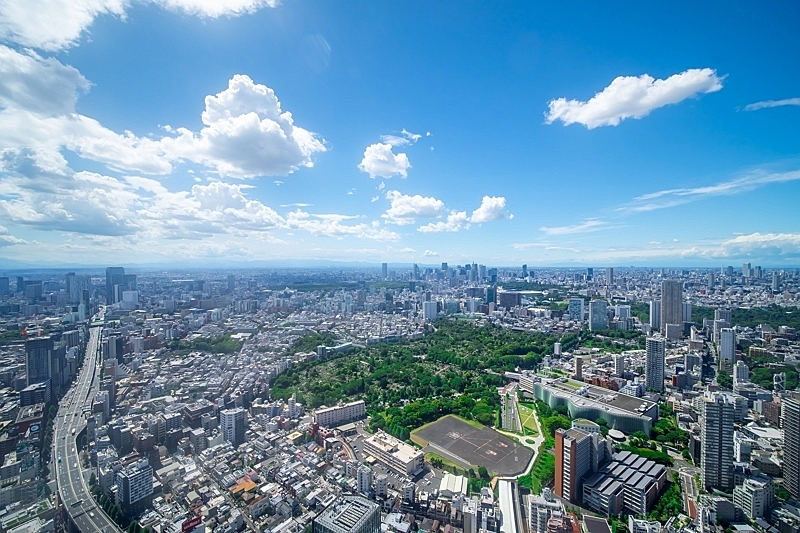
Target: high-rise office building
233	423
231	282
727	346
589	274
430	310
776	282
716	445
655	314
575	309
384	270
491	295
619	364
710	280
5	286
746	270
757	272
671	303
609	276
790	424
524	271
415	271
686	311
598	315
38	354
741	373
656	350
20	284
573	453
723	314
115	278
134	487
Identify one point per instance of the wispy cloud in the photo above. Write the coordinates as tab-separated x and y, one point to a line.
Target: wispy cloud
772	103
405	137
674	197
593	224
543	246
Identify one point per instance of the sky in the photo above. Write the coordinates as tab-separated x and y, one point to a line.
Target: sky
213	132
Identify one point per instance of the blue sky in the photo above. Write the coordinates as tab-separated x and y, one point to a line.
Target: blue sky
156	132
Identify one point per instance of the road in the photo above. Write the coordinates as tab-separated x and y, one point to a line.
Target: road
70	422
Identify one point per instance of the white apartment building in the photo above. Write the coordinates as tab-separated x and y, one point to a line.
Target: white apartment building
340	414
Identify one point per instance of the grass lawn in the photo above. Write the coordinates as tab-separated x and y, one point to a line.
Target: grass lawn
528	421
447	464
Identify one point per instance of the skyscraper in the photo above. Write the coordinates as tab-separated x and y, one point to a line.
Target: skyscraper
384	270
671	303
716	445
5	286
790	423
710	280
746	273
231	282
430	310
589	274
573	460
727	346
776	282
598	315
575	309
655	314
686	311
609	276
38	352
656	353
233	422
115	277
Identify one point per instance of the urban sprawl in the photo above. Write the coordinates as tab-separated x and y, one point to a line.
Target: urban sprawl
400	398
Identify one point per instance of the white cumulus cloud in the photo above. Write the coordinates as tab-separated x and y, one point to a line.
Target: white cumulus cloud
633	97
455	221
53	25
405	209
491	208
380	161
247	134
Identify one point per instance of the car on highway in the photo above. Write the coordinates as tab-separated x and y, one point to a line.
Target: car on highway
59	458
74	465
91	514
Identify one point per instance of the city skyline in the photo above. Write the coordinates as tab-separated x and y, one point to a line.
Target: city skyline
254	132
